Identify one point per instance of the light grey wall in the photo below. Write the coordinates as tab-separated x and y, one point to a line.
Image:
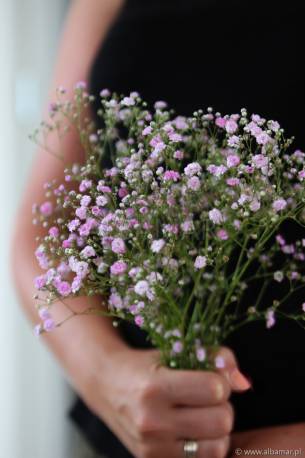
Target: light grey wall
33	394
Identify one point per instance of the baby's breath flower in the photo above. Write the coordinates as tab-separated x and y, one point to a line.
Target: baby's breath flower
189	207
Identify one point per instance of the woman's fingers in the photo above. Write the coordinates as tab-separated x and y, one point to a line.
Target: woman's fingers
207	449
194	388
203	423
237	381
215	448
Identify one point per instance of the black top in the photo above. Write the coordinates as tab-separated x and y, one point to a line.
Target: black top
227	54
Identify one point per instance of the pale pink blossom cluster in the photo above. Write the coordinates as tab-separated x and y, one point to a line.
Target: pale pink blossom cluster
177	225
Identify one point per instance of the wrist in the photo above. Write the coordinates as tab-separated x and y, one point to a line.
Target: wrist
96	382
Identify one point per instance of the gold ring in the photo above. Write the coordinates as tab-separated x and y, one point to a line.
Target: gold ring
190	448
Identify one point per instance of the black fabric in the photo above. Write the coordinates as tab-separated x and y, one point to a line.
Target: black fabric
229	55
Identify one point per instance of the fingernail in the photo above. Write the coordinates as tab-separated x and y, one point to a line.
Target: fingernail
239	381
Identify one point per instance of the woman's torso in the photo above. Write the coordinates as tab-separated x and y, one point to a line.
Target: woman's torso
228	55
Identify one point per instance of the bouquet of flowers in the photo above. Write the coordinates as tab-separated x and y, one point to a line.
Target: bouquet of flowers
171	234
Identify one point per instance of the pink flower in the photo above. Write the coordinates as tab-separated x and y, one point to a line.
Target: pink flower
263	138
171	175
193	183
81	85
177	347
220	122
54	232
233	160
171	228
49	325
231	126
67	243
237	224
222	234
249	169
279	205
234	141
192	169
141	287
253	128
157	144
233	181
40	282
147	131
255	205
73	225
157	245
200	262
301	175
128	101
42	258
259	161
46	209
175	137
217	170
85	201
105	93
139	320
44	313
118	246
122	192
178	155
274	125
215	216
84	185
96	211
118	268
115	301
270	319
303	306
280	240
160	105
81	212
180	122
64	288
187	226
93	138
101	201
81	268
200	354
88	252
103	188
76	284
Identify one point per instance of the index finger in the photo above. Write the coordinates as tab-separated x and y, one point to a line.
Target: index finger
194	388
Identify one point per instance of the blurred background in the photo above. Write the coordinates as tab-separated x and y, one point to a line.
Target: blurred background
34	398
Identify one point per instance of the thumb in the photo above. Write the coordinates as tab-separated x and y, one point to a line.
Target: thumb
227	366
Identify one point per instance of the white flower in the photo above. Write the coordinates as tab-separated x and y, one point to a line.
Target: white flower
141	287
192	169
255	205
278	276
157	245
154	277
215	216
200	262
279	204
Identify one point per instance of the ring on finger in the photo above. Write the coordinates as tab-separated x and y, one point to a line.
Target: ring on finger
190	448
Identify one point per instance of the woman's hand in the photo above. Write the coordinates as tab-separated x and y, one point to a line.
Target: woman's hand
153	409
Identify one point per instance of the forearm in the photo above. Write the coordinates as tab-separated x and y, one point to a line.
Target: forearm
84	345
287	437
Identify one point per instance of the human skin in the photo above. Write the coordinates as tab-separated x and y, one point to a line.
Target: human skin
150	408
